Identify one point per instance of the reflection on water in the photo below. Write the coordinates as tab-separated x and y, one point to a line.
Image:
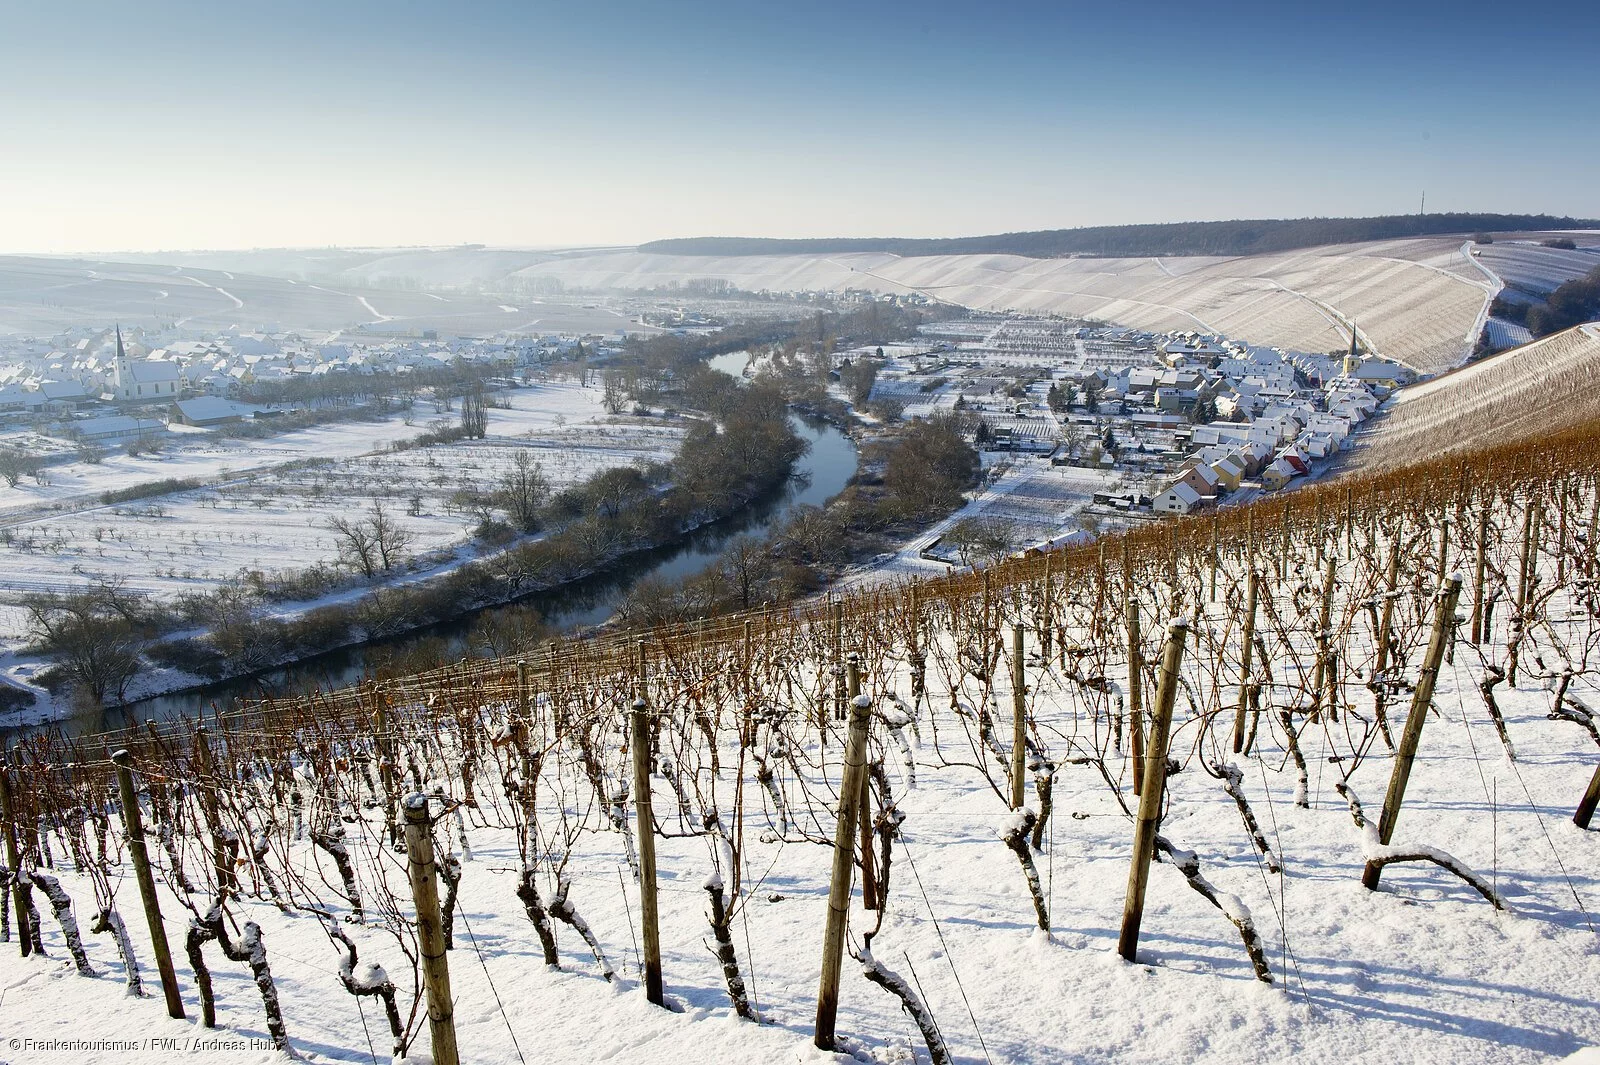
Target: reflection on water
820	474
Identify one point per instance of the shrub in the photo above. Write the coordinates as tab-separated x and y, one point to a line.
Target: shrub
148	489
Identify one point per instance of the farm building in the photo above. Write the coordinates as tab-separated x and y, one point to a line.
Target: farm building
208	411
114	429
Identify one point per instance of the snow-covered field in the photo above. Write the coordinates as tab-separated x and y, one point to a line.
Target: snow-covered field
1529	264
1415	300
1421	970
267	503
40	296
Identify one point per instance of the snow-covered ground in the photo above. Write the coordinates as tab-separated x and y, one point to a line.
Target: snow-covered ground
267	503
1036	502
1421	970
1415	300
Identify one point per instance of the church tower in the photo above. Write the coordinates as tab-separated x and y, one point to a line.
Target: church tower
124	375
1353	356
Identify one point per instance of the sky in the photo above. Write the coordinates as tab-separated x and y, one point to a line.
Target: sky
158	125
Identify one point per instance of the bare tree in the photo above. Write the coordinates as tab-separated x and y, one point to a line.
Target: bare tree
389	538
355	544
524	490
474	413
94	634
981	540
372	544
14	465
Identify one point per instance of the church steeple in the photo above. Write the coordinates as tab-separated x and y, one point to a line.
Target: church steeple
1354	355
123	375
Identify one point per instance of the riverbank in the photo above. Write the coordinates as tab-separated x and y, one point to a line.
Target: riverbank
579	601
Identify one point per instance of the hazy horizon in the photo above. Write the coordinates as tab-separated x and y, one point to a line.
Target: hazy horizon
184	126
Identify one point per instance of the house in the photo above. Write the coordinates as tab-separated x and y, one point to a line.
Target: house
1386	375
1179	499
1202	479
63	395
1276	475
1229	471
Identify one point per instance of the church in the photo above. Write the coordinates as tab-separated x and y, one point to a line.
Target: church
145	380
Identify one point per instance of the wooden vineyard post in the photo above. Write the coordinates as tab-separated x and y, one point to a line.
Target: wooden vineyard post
558	722
1322	678
430	930
387	771
1155	783
1443	622
1245	653
869	876
1379	681
1532	518
1046	621
1561	533
1019	722
1172	566
1283	542
840	697
1349	521
1135	685
855	775
639	744
988	629
1444	548
20	890
1216	559
1591	798
1317	529
522	689
1590	544
133	828
1476	632
916	619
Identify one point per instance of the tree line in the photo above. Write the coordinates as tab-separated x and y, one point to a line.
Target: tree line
1572	303
1238	237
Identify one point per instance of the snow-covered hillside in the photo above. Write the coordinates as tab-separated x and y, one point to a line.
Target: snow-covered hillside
1521	394
534	803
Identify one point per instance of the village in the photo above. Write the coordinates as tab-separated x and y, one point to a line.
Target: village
103	388
1086	428
1133	425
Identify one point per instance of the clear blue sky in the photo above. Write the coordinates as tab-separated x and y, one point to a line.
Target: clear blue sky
166	125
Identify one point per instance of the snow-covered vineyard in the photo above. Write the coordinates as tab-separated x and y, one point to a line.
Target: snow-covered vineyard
1254	673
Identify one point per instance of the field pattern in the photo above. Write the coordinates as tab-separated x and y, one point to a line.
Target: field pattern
1541	388
40	297
1417	301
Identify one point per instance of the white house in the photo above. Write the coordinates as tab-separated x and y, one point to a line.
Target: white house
1179	499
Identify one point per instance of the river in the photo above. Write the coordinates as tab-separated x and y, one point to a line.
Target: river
820	474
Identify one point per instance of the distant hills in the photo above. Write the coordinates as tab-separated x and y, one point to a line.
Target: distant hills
1243	237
